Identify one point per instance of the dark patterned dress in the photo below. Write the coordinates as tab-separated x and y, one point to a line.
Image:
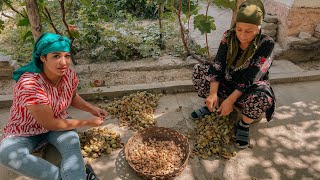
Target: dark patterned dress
251	79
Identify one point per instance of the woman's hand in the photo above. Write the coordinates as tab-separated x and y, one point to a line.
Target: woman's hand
212	102
226	107
96	121
99	112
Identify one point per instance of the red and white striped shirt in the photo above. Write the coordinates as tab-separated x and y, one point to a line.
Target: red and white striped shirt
34	88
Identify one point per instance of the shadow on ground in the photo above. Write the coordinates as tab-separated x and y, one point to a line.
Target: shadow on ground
288	147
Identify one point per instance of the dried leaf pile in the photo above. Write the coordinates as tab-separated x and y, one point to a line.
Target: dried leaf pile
157	157
135	110
213	135
96	141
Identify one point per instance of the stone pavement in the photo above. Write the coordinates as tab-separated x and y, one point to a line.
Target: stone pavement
288	147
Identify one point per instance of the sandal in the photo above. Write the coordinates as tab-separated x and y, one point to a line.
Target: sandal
90	173
242	138
197	114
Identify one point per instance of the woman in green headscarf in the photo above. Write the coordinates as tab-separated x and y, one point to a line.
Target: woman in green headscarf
45	88
239	73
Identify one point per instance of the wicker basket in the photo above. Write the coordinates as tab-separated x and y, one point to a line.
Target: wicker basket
160	134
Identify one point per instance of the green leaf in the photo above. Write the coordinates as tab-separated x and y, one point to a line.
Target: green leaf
204	24
230	4
86	3
7	1
23	22
27	34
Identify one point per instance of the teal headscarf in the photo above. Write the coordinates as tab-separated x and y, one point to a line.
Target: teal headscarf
46	43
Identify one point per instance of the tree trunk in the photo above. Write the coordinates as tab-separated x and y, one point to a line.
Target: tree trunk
34	18
233	21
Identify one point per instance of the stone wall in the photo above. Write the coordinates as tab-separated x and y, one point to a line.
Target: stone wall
298	28
7	66
270	26
294	16
6	69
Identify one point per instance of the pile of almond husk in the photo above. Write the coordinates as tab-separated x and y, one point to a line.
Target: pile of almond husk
135	110
97	141
214	135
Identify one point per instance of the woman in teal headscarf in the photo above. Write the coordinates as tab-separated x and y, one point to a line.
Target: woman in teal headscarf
239	73
45	88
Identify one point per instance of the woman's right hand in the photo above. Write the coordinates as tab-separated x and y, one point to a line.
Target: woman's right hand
212	102
96	121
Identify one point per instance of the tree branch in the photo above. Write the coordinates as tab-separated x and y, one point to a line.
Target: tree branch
64	19
189	16
48	15
182	29
13	9
206	34
198	58
7	16
70	5
68	30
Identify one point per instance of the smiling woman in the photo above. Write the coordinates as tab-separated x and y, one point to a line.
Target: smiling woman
45	88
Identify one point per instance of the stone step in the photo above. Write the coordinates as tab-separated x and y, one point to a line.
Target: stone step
284	66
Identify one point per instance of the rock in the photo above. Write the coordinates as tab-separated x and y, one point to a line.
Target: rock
305	35
270	19
316	34
270	26
317	29
14	64
269	32
6	72
303	44
4	63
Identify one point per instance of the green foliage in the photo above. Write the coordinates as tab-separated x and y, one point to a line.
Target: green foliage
1	4
15	42
194	7
7	1
108	30
1	25
28	34
86	3
23	22
139	8
126	41
229	4
203	23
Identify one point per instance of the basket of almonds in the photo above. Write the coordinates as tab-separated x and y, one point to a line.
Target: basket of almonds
157	153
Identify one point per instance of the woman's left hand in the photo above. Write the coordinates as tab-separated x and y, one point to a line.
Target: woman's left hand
99	112
226	107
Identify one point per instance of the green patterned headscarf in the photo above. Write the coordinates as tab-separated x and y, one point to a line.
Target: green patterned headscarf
252	12
46	43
